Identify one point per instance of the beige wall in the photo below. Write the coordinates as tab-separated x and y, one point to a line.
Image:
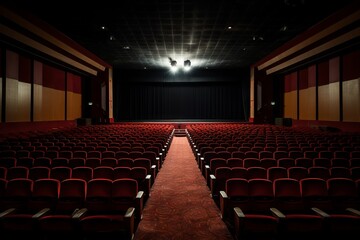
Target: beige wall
329	102
18	101
307	104
49	104
351	100
290	105
73	106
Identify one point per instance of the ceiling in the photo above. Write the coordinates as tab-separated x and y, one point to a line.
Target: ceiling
221	34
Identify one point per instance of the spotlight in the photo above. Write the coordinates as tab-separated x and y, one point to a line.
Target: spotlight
187	63
173	63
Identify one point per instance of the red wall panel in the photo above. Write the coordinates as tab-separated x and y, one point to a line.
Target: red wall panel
73	83
351	66
312	76
303	79
53	78
323	73
334	70
25	69
12	65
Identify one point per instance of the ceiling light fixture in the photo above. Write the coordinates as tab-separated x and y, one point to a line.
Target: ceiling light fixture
172	62
187	63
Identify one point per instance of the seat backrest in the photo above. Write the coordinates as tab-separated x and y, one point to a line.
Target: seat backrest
122	172
304	162
82	172
109	162
17	172
261	194
319	172
103	172
276	172
98	195
45	194
25	162
256	172
36	173
72	195
17	194
288	194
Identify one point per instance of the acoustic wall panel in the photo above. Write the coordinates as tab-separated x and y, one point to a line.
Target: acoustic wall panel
49	94
307	93
18	88
351	100
290	96
329	90
351	87
73	95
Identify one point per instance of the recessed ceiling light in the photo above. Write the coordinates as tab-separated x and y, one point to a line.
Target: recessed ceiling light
103	27
126	47
112	38
229	27
283	28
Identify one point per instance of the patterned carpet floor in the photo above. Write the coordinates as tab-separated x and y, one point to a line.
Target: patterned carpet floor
180	206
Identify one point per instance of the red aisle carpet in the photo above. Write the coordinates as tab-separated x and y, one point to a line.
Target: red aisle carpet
180	206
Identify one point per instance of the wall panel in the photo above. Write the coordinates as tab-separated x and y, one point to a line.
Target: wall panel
351	87
329	102
329	90
351	100
18	88
307	106
49	94
290	96
73	108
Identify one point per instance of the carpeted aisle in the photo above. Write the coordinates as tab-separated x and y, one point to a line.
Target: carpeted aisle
180	206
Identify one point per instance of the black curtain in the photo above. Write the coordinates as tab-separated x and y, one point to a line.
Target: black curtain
205	101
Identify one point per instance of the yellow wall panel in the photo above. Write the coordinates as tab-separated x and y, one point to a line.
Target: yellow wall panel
49	104
290	105
18	101
329	102
73	106
351	100
307	104
38	102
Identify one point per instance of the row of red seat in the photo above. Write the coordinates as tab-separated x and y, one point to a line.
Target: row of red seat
284	207
108	206
47	206
256	174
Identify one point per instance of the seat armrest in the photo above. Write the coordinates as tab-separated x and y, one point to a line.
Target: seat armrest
320	212
277	213
223	195
223	204
353	211
41	213
130	212
140	194
239	213
80	213
6	212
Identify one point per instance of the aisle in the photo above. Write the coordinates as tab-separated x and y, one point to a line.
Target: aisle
180	206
